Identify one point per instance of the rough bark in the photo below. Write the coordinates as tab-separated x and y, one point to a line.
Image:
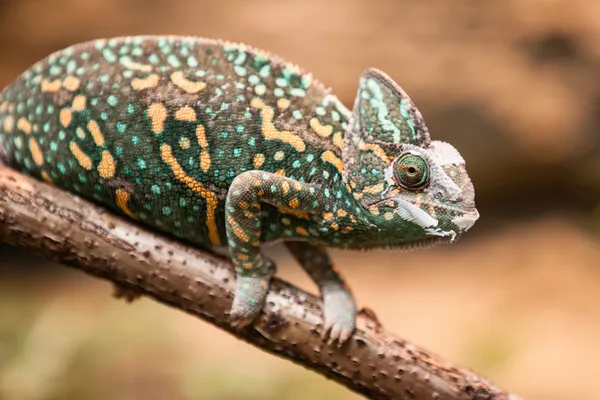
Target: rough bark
76	233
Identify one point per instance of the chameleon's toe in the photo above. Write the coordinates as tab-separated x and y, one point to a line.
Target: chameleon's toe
340	316
250	294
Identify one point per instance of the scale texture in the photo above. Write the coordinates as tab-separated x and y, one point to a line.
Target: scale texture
222	144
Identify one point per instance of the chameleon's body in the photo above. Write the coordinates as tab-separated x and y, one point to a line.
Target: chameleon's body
221	144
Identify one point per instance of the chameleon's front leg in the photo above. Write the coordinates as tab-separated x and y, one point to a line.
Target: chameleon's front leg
339	306
243	209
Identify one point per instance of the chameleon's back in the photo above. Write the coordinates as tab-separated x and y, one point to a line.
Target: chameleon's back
157	128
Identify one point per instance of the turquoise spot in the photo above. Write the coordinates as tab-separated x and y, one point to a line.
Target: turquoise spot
82	177
109	55
141	163
273	189
252	141
128	73
240	58
224	134
221	153
241	71
154	59
253	79
55	70
71	66
130	108
121	127
80	71
137	51
313	171
326	192
237	152
278	92
305	81
148	206
84	55
325	174
224	105
248	114
112	100
375	172
230	173
297	114
135	139
174	61
320	111
155	189
265	71
200	73
335	115
61	168
281	82
46	127
310	157
53	146
240	129
104	78
104	115
296	164
62	135
192	62
218	91
219	77
50	109
297	92
118	150
182	202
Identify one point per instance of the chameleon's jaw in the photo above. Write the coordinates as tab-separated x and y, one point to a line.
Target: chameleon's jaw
465	221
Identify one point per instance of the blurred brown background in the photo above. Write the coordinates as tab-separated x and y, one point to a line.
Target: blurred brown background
513	84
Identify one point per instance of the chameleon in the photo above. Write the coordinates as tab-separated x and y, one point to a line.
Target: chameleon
226	146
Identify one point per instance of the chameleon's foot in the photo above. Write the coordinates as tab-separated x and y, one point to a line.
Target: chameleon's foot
340	315
250	294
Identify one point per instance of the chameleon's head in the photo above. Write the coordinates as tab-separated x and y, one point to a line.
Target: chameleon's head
414	189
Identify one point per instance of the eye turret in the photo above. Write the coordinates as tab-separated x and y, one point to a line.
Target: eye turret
411	171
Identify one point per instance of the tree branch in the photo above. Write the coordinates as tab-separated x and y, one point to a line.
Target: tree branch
74	232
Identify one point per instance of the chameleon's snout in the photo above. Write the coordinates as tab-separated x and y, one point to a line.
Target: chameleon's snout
465	221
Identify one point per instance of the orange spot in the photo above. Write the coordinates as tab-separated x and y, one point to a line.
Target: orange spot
283	103
388	216
281	172
205	161
322	130
158	115
285	187
65	117
9	124
379	152
4	107
259	160
242	256
71	83
327	216
78	103
211	198
294	203
24	125
96	134
338	140
81	157
107	167
136	66
301	231
375	189
36	152
201	135
51	86
268	128
342	213
329	157
186	113
148	82
346	229
374	210
186	85
123	200
296	213
46	177
237	230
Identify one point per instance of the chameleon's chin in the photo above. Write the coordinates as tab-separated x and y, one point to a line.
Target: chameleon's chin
465	221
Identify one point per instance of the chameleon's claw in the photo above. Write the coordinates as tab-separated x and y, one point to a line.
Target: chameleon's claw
340	316
249	298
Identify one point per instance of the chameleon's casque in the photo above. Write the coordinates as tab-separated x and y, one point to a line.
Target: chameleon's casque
221	144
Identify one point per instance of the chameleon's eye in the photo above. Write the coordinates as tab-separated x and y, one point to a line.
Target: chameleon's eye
411	171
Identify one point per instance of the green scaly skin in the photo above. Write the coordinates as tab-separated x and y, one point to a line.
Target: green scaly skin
222	144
